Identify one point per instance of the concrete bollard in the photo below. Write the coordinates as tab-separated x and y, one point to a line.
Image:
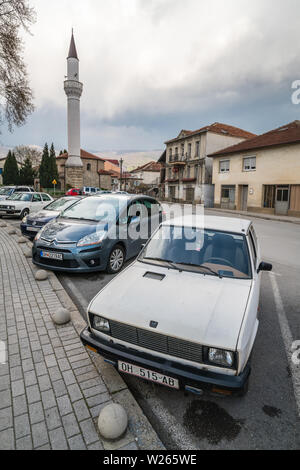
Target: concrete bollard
28	253
61	317
112	421
21	240
3	224
11	231
41	275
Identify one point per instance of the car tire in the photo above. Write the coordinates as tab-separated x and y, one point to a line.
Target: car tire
116	260
24	213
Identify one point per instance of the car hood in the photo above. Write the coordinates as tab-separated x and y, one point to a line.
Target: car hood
12	202
202	309
43	216
65	231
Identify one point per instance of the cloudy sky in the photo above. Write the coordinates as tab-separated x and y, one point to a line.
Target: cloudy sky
153	67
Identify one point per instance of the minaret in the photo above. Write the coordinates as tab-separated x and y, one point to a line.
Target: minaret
73	88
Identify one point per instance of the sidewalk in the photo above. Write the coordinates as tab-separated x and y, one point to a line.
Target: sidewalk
51	391
250	215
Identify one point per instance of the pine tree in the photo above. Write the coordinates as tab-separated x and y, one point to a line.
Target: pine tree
10	170
27	173
44	168
53	172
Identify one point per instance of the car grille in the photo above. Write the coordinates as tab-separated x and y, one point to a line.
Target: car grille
157	342
56	263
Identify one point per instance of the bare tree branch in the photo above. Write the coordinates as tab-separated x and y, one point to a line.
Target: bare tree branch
16	99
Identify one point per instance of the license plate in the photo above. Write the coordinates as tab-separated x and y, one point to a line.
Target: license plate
148	374
33	229
47	254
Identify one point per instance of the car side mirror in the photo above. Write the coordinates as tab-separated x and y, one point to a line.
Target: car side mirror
264	267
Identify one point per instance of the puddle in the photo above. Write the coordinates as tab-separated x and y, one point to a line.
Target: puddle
209	421
271	411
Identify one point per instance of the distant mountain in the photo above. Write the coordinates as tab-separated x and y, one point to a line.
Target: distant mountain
4	151
132	159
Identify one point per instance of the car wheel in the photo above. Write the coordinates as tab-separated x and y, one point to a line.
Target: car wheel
24	213
116	259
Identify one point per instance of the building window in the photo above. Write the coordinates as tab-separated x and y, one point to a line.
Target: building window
249	164
176	151
182	150
88	167
224	166
170	155
188	173
198	149
189	150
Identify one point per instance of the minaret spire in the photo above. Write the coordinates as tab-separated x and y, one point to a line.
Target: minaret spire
73	89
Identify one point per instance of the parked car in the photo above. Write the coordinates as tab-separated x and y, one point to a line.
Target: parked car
184	314
21	204
97	233
89	190
32	223
74	192
7	191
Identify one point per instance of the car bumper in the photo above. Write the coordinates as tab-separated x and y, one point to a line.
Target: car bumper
25	229
74	260
9	212
190	378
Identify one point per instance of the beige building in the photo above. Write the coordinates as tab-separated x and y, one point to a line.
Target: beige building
94	172
148	174
261	174
188	169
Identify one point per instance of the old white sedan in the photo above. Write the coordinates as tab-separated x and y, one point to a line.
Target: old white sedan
21	204
184	314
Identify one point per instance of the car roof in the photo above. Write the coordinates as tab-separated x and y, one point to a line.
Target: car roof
122	197
226	224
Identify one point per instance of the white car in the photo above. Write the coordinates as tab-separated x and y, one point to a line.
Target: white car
184	314
7	191
21	204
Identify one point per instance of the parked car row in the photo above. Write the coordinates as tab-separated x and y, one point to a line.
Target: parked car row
21	204
7	191
91	191
184	314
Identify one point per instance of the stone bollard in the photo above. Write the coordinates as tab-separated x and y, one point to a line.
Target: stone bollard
28	253
11	231
112	421
41	275
3	224
61	317
21	240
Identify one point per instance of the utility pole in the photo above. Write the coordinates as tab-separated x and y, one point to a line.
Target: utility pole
121	172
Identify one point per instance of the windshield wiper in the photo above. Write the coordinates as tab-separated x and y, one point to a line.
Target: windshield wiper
79	218
215	273
169	262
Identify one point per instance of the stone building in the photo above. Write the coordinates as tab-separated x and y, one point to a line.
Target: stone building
93	171
261	174
188	172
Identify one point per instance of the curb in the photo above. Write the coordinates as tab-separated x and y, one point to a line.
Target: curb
139	424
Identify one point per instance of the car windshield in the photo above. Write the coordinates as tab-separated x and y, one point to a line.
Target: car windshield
203	250
5	191
20	197
98	209
61	204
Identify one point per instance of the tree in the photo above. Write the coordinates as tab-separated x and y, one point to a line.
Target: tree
45	167
15	94
10	170
22	152
53	172
27	173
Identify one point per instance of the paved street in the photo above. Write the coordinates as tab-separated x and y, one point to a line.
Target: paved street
268	417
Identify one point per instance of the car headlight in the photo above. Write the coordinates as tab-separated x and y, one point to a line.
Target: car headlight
93	239
24	220
38	235
100	324
221	357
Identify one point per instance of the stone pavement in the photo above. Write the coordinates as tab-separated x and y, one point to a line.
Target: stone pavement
51	391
